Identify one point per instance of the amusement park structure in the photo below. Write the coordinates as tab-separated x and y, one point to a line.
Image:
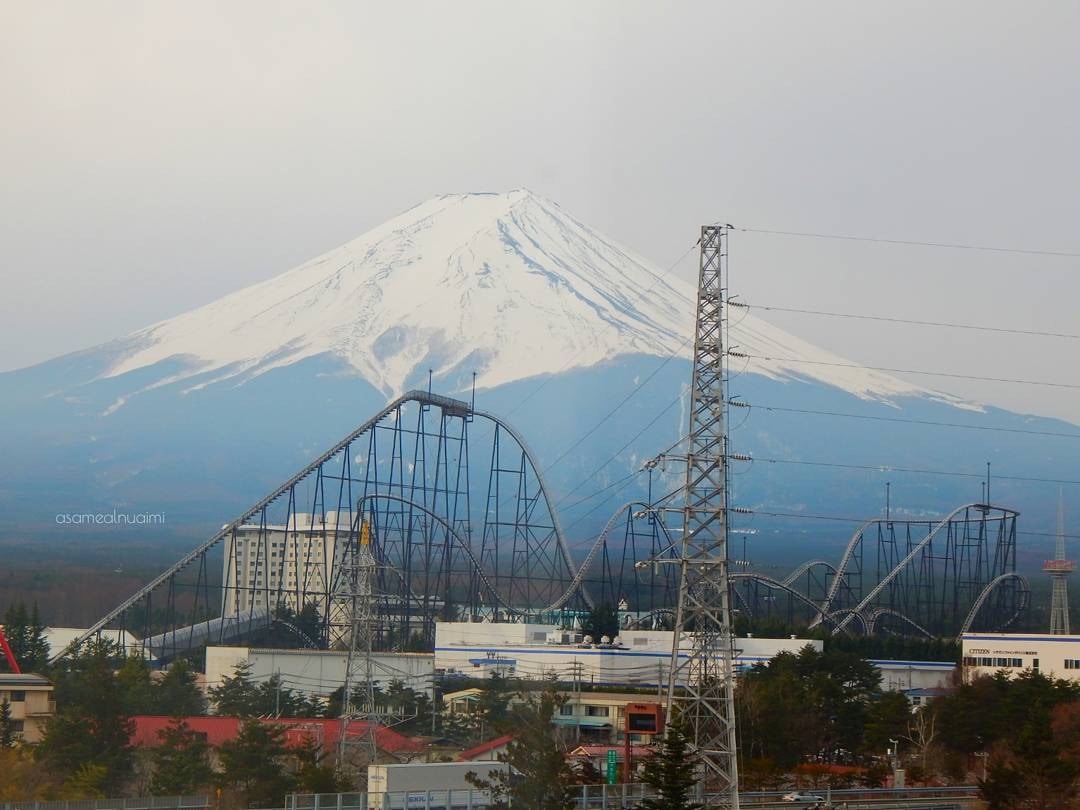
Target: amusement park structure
463	527
932	578
459	523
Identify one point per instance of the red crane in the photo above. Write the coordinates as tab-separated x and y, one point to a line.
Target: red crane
8	654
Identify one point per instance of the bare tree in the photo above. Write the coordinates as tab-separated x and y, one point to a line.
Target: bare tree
922	731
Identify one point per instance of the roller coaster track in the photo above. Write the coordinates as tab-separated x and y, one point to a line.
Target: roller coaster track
776	584
905	561
462	544
598	545
841	570
896	614
806	566
1025	590
560	538
447	404
850	613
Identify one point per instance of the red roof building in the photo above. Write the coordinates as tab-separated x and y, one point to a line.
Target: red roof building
216	730
486	751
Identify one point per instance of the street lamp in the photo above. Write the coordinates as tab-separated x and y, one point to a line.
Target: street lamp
898	775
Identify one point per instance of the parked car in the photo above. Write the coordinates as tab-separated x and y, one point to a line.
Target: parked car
802	798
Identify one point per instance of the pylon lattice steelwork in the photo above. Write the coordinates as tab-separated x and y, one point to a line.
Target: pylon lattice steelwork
703	614
1059	569
356	603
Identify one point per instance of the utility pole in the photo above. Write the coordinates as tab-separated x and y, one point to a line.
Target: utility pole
577	668
701	687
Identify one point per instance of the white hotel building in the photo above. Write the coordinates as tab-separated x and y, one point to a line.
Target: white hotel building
299	560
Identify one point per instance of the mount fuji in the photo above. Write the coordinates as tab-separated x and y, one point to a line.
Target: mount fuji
553	322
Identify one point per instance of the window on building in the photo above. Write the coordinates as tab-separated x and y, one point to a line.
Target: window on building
596	711
1035	663
1072	663
18	696
566	710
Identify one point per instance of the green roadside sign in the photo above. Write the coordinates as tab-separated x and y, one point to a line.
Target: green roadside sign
612	767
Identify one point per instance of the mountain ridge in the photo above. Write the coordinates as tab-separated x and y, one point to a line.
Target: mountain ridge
525	287
200	414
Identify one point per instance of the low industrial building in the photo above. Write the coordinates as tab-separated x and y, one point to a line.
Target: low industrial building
30	698
638	658
317	673
424	785
903	676
1057	656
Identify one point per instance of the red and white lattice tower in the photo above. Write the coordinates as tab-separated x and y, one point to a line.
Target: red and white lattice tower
1059	570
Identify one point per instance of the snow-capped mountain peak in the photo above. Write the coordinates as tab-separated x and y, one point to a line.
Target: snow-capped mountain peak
506	285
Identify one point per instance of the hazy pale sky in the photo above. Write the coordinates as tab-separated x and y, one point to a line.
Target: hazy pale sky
158	155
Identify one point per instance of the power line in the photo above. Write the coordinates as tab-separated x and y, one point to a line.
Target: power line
886	468
600	491
929	422
911	242
633	392
856	520
656	280
615	455
948	374
908	321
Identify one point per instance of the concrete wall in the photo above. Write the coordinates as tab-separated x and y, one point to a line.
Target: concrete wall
317	672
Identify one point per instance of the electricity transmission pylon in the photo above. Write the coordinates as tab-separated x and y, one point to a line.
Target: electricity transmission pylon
356	600
701	685
1059	570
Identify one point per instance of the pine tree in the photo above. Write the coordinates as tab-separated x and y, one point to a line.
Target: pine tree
539	777
7	729
238	695
135	686
493	704
178	694
310	623
91	727
273	699
671	772
603	620
313	773
254	762
181	761
37	648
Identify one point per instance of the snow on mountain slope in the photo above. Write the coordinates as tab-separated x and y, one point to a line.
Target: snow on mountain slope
507	285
